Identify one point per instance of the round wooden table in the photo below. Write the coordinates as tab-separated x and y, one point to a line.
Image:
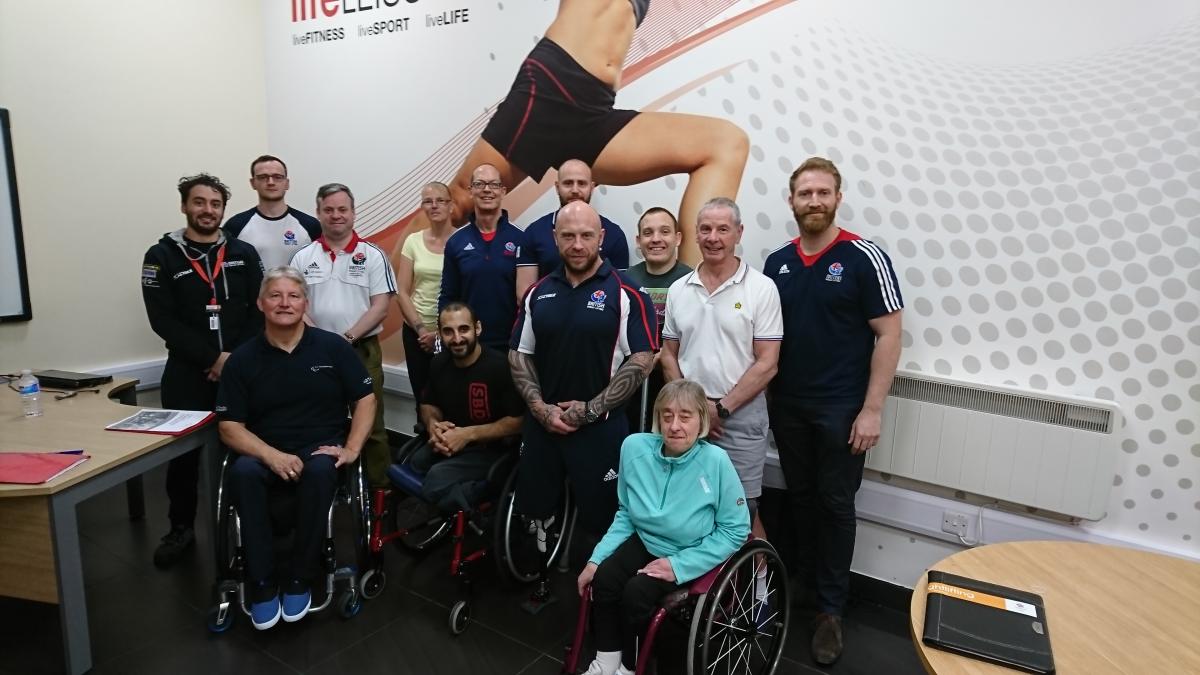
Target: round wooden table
1108	609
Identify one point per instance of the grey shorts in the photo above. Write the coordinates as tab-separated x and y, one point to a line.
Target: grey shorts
744	438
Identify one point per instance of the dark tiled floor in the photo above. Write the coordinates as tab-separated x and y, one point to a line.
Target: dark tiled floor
148	621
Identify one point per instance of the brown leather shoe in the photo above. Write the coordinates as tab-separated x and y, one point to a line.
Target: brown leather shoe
827	639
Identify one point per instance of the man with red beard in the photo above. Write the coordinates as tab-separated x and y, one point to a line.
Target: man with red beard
841	312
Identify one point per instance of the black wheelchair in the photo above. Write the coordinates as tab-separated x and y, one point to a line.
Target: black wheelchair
230	587
521	548
731	629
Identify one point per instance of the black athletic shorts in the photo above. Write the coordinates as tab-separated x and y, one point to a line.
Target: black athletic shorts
554	111
589	458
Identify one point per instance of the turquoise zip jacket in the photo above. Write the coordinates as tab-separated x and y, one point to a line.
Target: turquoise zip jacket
689	509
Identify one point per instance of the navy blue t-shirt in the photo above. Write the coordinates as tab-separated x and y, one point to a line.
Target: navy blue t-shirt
827	300
292	401
580	336
483	274
542	250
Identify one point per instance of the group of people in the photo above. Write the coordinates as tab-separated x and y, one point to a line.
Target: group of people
273	322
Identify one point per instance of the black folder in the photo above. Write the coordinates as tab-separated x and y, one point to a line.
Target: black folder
63	379
988	622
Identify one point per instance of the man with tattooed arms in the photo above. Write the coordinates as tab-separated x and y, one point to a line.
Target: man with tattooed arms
582	344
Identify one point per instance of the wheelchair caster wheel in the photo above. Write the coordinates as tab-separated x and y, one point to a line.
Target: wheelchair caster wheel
220	618
372	583
460	616
350	604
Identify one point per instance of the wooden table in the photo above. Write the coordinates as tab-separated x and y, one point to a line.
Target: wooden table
1108	609
39	534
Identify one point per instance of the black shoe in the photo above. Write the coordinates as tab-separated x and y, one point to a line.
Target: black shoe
173	545
827	639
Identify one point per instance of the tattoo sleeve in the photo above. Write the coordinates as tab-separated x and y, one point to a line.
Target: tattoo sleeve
624	382
525	379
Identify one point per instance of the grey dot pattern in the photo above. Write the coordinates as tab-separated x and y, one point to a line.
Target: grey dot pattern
1042	217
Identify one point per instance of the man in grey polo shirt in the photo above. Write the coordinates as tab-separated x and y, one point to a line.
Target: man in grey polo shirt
723	330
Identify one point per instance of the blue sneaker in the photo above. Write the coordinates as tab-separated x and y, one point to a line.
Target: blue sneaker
296	601
264	608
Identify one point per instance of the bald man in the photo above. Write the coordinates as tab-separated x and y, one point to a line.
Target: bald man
482	265
574	184
582	344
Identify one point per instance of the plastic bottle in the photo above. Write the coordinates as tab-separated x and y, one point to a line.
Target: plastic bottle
31	394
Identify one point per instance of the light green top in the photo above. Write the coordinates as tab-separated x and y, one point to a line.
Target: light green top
427	277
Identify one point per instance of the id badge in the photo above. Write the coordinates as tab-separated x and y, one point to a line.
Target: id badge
214	322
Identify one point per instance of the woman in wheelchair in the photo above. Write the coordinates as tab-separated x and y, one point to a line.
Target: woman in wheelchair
681	513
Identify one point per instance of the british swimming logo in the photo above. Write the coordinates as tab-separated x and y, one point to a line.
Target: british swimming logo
289	238
835	272
359	258
510	248
596	301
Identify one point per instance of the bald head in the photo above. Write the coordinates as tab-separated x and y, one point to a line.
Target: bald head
574	183
487	190
578	233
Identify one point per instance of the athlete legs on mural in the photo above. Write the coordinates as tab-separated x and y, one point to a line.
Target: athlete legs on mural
561	106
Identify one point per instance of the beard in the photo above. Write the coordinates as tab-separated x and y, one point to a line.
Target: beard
814	223
587	264
194	224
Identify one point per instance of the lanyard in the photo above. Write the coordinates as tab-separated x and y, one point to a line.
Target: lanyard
212	283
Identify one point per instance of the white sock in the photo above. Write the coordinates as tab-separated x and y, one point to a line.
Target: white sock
606	663
760	585
622	670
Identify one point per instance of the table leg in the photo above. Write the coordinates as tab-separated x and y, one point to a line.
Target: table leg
136	498
72	604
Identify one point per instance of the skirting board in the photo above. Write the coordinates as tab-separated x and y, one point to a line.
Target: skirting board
877	502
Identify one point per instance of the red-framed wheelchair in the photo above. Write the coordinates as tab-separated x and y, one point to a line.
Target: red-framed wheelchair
520	547
733	625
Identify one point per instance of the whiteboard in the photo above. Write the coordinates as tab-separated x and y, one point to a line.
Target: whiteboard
14	284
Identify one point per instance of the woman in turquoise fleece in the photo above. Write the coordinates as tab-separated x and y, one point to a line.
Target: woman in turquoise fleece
682	512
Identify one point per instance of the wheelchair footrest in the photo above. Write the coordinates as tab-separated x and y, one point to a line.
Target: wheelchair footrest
538	601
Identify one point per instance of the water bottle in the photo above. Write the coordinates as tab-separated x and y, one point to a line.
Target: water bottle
31	394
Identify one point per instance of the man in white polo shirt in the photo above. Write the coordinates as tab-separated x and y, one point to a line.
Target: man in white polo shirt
273	228
350	283
723	330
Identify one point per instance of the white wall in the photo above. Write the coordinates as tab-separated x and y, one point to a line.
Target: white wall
111	103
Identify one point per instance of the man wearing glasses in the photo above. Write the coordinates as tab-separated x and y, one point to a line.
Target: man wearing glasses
481	268
275	229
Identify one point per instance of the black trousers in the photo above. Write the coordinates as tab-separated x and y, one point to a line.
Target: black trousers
418	361
184	386
822	477
253	484
624	601
589	458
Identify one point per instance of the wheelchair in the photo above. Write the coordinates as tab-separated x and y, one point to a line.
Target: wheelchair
729	628
520	547
230	587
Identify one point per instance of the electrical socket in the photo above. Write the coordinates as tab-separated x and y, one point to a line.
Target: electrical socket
954	523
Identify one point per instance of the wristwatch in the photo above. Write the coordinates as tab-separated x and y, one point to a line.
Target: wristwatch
349	337
722	411
588	414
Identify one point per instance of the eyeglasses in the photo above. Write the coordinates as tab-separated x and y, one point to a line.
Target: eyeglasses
431	202
490	184
264	177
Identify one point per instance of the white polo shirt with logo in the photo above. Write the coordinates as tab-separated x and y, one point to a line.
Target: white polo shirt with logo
716	332
341	283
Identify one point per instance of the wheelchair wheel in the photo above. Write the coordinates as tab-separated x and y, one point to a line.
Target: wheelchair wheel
220	618
515	536
349	604
736	629
460	616
372	583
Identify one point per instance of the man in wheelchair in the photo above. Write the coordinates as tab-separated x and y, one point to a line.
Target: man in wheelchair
282	407
682	511
471	410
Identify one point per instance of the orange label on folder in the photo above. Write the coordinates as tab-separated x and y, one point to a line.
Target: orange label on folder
983	599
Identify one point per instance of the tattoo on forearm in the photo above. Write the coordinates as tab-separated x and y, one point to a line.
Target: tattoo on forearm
624	382
525	379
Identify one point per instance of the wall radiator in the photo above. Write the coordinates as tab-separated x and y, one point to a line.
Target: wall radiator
1045	451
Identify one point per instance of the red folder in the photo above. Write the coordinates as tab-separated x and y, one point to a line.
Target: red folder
33	468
